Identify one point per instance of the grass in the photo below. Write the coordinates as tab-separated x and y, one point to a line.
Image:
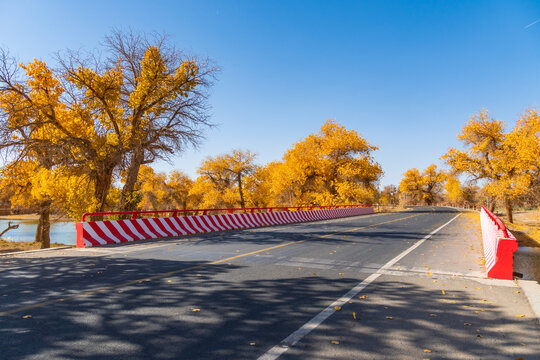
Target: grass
13	246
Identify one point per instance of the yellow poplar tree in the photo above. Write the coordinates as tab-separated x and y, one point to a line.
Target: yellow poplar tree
180	185
332	166
411	186
424	186
453	189
507	162
223	178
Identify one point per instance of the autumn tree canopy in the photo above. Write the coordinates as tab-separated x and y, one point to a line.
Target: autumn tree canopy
332	166
508	162
425	186
223	179
93	116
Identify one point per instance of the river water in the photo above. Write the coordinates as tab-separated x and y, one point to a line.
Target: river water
61	232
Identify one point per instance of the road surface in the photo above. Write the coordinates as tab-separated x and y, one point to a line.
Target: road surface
406	285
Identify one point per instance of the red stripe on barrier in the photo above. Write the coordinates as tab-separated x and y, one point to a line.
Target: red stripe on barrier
86	236
123	224
141	230
221	220
193	225
114	232
154	229
174	226
182	224
95	227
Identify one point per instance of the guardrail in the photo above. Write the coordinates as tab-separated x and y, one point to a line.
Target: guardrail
101	232
134	214
499	246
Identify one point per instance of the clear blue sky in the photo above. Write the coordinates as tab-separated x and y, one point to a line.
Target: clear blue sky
407	75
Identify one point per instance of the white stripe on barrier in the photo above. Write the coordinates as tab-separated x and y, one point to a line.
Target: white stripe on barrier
88	228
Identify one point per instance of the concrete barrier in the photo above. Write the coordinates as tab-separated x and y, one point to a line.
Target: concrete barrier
499	246
95	233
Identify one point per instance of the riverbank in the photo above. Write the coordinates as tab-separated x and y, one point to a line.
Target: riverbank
13	246
35	217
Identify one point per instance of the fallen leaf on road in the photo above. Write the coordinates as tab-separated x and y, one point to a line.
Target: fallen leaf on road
520	315
522	344
354	315
389	318
483	300
337	308
363	297
517	292
341	274
467	324
335	342
169	280
433	315
27	316
427	350
195	310
443	292
252	344
314	274
480	336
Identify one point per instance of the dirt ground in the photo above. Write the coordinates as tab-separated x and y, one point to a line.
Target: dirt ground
13	246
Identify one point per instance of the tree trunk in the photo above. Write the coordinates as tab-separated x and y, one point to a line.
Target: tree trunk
44	225
240	191
126	202
103	181
509	215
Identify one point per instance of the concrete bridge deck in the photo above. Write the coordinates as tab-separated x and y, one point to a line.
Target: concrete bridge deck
408	285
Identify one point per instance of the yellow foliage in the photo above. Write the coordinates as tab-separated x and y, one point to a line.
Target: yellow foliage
330	167
453	189
424	186
34	184
507	161
223	179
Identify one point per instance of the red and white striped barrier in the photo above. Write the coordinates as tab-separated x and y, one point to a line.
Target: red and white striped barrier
95	233
499	246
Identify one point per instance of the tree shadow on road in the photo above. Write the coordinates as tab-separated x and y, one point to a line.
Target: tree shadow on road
153	309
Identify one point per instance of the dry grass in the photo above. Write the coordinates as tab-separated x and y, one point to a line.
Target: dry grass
13	246
526	227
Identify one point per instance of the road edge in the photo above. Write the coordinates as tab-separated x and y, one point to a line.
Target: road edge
38	250
531	289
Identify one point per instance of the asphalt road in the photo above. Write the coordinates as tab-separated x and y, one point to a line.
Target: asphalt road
272	292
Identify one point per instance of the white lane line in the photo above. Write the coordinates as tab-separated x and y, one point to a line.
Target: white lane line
296	336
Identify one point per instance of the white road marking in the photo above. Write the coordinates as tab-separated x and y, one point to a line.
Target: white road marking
296	336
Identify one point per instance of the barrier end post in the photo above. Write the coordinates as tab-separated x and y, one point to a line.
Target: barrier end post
80	240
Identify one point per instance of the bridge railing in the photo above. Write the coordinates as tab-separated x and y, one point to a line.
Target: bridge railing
193	212
499	246
172	223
